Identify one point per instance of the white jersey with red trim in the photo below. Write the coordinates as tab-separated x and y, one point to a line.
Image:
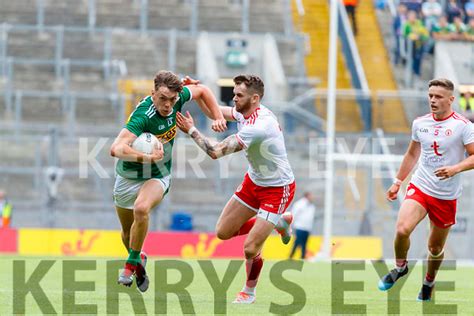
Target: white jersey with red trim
442	144
262	138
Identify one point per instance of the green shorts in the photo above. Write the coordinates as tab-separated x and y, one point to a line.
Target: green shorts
126	190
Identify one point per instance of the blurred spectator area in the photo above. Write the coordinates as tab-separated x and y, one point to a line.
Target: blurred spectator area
417	27
466	100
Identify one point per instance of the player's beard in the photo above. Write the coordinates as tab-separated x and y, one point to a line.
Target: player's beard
242	107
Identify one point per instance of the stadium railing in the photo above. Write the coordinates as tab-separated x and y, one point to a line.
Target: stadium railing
68	100
106	63
143	16
143	29
354	64
300	109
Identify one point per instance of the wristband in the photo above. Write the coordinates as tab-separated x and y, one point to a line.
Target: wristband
191	130
397	181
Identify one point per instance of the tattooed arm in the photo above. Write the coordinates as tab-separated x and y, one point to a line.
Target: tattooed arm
217	150
213	149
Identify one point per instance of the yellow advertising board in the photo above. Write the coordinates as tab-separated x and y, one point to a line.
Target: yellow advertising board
64	242
342	248
102	243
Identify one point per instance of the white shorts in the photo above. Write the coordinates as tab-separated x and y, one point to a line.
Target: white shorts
126	190
266	215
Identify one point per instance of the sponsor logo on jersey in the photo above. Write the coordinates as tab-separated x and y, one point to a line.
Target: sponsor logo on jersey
435	147
435	161
167	136
161	127
423	130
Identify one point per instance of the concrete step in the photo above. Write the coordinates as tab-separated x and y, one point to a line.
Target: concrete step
46	110
273	24
83	46
49	110
73	188
289	56
81	79
31	44
213	16
21	154
97	112
21	11
144	58
20	186
173	15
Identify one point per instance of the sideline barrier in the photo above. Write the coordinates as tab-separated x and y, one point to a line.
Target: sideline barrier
8	240
102	243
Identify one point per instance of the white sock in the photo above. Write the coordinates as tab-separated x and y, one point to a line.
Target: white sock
426	282
249	290
400	269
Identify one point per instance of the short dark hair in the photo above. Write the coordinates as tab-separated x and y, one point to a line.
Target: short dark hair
169	80
442	82
252	82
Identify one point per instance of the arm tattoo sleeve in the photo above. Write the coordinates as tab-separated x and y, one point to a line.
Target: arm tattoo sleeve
216	150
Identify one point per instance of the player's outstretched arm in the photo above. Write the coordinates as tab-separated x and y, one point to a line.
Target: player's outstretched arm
214	150
121	148
466	164
208	104
409	161
225	110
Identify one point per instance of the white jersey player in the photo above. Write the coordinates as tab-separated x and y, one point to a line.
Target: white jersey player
442	144
257	206
440	141
262	139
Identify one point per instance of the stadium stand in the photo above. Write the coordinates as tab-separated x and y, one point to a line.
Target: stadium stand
64	69
61	64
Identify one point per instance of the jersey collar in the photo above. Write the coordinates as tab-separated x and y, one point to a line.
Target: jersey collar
255	111
437	120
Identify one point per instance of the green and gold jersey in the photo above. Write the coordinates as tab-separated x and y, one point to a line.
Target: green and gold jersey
145	118
470	30
447	29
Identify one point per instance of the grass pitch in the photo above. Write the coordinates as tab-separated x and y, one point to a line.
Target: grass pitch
284	287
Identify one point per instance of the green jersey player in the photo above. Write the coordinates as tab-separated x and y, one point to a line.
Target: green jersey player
142	180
